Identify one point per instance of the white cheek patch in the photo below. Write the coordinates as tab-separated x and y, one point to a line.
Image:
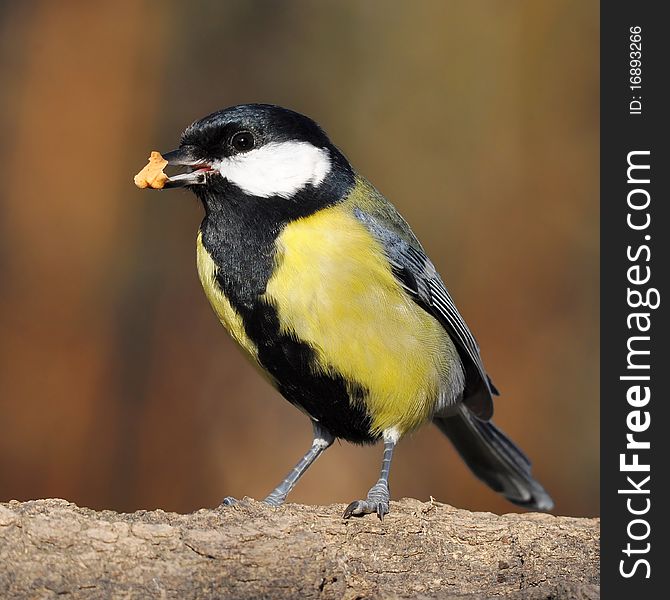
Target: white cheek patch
277	169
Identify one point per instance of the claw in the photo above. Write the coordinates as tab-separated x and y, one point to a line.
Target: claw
359	508
274	501
355	509
229	501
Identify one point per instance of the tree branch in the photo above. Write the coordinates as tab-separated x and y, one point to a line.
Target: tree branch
421	550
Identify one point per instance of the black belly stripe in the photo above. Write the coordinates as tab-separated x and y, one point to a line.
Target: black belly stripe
330	399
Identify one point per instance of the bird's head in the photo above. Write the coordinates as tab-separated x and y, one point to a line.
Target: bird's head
258	150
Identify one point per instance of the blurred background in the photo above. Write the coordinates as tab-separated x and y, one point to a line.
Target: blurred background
479	120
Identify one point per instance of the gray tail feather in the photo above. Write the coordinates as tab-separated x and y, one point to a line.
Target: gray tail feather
495	459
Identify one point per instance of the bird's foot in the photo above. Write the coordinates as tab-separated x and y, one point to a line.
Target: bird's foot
229	501
377	502
272	500
275	500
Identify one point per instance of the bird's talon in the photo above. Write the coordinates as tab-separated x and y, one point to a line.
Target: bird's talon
359	508
273	502
355	509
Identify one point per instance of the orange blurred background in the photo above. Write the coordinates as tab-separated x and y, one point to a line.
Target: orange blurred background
479	120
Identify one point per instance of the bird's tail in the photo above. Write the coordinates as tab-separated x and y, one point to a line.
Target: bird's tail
494	458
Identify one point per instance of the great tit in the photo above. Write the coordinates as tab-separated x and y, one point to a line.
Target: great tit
325	287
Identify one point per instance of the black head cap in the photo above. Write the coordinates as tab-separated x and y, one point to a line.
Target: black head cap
213	135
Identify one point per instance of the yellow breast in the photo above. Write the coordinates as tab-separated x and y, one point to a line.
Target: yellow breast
333	288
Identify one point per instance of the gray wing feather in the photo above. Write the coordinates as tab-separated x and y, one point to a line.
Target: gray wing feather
419	278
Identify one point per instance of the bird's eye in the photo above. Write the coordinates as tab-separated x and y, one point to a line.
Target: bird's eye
242	141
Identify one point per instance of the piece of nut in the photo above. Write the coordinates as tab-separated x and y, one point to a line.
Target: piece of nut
152	175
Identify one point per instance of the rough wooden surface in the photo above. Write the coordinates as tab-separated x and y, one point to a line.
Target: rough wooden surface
51	548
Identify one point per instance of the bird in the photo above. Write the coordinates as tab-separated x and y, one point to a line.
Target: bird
328	291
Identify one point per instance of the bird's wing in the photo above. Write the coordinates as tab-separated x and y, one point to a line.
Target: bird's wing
418	276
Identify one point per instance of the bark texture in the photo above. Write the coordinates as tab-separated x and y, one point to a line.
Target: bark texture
52	548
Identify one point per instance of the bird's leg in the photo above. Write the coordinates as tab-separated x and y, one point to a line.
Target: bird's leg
378	497
322	440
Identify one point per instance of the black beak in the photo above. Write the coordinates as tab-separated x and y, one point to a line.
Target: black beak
183	157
